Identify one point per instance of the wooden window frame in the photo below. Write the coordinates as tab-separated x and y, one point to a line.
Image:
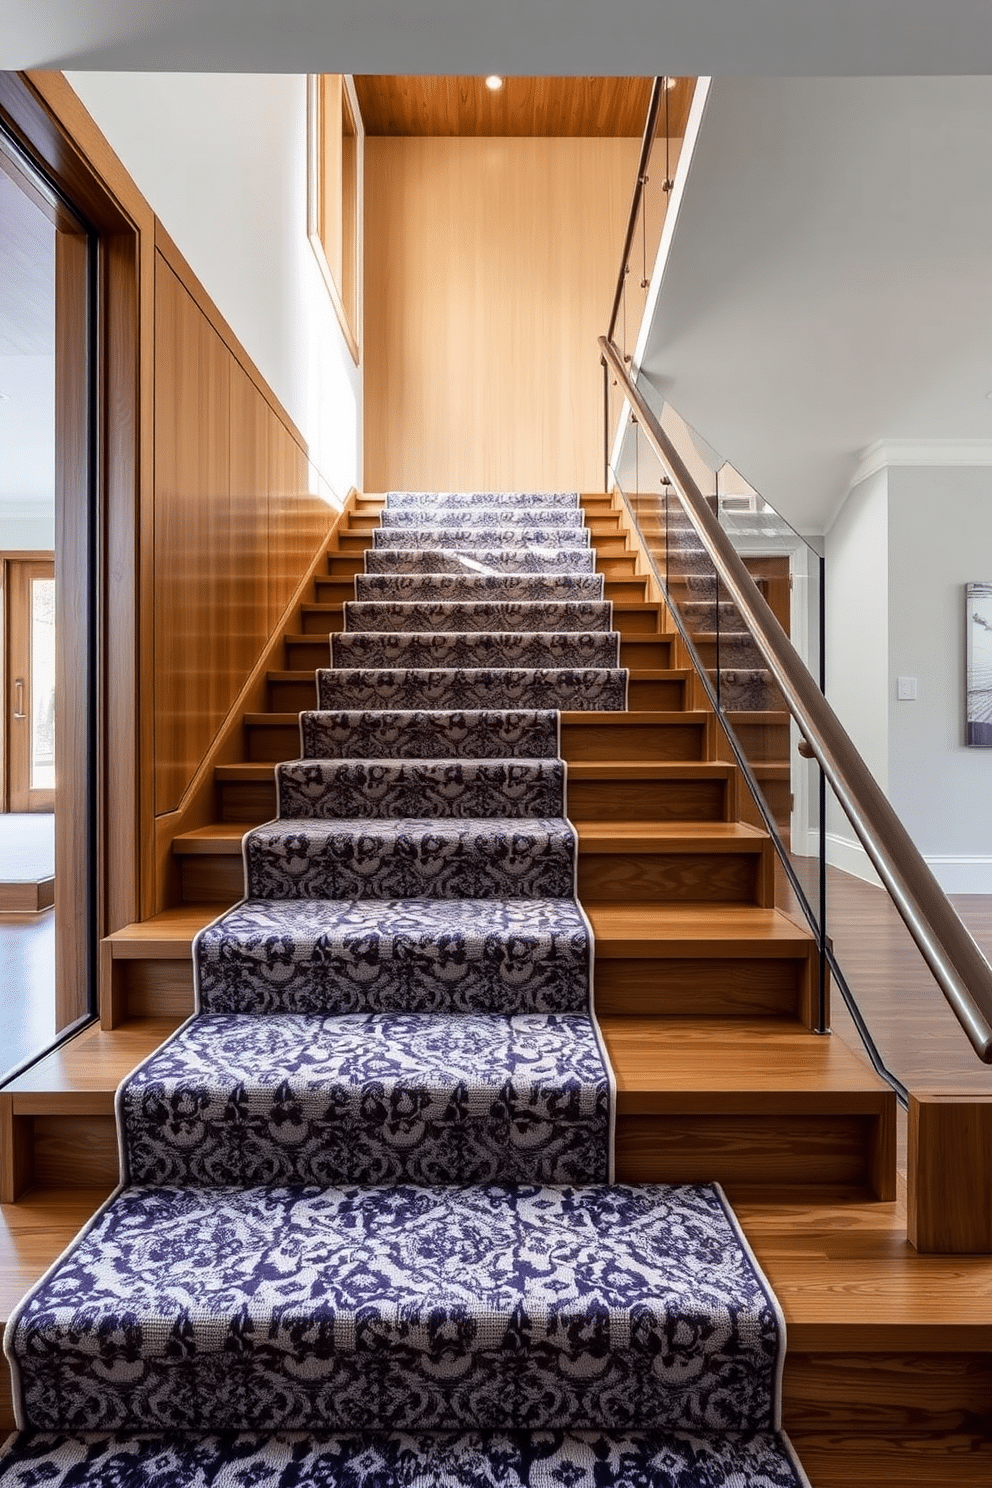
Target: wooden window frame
99	893
335	224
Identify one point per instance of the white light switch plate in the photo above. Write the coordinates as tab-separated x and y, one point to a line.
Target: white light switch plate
906	689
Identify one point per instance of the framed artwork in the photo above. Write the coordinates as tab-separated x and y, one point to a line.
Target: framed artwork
978	710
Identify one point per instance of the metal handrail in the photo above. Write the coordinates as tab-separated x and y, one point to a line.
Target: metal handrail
647	141
960	969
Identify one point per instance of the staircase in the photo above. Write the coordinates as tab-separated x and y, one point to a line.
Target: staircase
704	994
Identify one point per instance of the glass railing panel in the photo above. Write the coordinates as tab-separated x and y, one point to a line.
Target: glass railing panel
883	992
782	790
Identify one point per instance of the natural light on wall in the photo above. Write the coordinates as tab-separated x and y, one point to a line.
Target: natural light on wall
335	196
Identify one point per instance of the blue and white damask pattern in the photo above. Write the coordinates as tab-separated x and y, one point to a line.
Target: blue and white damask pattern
476	649
500	956
402	787
514	500
577	689
369	1098
366	1196
473	559
401	1459
482	520
485	614
400	588
444	535
418	733
403	1308
412	858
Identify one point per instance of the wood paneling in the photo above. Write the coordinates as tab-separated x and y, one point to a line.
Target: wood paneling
489	269
950	1159
236	526
75	583
604	107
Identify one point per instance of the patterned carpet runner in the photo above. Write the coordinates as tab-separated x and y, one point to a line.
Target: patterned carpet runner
366	1232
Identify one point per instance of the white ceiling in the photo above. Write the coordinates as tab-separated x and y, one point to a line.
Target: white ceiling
528	37
829	283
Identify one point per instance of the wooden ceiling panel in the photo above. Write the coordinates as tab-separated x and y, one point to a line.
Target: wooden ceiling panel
604	108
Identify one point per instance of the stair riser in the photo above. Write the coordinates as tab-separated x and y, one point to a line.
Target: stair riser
673	987
336	590
767	1156
620	740
888	1395
656	878
675	877
317	621
654	655
651	694
751	1154
587	800
703	987
762	741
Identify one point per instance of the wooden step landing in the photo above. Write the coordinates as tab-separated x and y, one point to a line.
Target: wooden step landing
57	1118
660	960
888	1375
630	618
642	734
761	1108
677	790
702	960
701	862
664	861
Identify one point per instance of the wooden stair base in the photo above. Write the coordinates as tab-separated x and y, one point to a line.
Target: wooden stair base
759	1106
664	861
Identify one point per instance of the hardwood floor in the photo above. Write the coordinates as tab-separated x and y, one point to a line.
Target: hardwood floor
917	1034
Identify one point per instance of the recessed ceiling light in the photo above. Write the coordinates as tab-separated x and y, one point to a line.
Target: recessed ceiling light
494	83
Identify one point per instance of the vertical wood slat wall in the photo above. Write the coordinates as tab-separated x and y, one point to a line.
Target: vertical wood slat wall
490	266
235	527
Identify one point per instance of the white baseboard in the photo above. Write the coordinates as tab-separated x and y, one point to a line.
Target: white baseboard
956	874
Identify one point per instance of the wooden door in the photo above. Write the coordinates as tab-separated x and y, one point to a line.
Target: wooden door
30	679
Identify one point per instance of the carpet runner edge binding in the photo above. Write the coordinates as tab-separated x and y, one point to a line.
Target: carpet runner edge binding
420	1023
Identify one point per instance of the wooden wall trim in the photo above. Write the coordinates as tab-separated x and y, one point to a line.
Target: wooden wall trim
83	151
197	806
194	288
52	123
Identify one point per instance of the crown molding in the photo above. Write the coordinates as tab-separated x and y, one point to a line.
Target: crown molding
921	452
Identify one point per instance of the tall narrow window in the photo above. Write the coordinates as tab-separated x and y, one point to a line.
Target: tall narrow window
335	196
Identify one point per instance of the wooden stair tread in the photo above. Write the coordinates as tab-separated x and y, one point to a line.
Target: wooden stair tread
82	1075
33	1233
305	675
668	836
578	719
622	931
844	1273
847	1278
691	930
769	718
639	719
703	1065
164	936
651	836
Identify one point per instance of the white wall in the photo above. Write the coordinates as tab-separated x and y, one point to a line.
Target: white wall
222	160
856	629
940	537
904	545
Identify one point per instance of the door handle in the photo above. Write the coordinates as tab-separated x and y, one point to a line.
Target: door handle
19	687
